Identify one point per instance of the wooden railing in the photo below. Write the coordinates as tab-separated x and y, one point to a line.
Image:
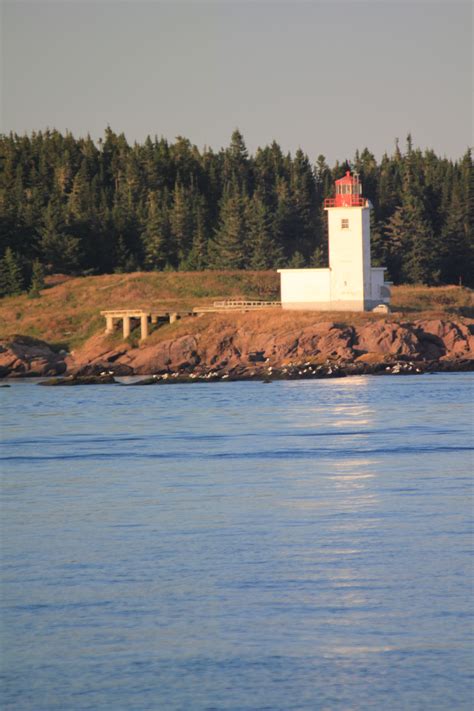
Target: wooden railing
234	305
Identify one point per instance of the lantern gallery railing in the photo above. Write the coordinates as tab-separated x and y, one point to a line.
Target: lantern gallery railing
346	201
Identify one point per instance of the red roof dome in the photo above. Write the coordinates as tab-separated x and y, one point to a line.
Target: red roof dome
346	179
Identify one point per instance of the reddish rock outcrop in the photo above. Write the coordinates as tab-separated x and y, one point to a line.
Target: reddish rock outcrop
444	338
388	338
227	346
24	356
329	340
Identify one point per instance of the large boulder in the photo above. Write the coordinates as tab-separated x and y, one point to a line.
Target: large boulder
167	355
444	338
27	356
328	340
387	338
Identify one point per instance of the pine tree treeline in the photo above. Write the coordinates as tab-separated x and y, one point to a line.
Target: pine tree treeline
75	207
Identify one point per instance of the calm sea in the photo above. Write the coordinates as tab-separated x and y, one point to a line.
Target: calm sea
284	546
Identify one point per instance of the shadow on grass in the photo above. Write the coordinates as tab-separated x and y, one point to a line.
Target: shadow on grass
404	309
447	309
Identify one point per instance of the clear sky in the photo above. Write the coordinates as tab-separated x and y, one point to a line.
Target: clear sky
328	77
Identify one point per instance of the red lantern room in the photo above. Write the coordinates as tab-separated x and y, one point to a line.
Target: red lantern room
348	193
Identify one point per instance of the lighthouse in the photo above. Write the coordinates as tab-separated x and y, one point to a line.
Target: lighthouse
350	283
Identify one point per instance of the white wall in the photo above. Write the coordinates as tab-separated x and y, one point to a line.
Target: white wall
379	287
349	253
305	288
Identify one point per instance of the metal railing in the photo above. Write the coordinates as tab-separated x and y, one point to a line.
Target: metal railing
346	201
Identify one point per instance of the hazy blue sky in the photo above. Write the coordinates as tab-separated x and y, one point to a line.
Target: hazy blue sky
327	76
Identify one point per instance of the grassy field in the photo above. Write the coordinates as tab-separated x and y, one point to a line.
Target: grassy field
456	300
68	311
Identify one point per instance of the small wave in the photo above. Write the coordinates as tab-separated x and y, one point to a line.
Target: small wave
341	453
293	453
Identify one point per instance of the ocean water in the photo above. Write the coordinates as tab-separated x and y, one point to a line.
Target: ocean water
244	546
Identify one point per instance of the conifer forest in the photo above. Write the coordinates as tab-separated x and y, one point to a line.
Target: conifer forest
74	206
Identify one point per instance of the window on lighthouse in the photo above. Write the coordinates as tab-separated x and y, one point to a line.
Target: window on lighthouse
344	224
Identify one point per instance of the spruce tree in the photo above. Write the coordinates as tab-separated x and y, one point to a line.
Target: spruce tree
366	166
265	252
297	261
457	245
411	254
421	264
181	223
396	235
237	164
79	200
11	276
264	176
389	188
121	255
318	259
303	192
198	258
285	223
156	233
37	280
230	249
323	177
378	247
59	250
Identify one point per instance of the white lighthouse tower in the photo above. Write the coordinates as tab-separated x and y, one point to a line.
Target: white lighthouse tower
350	283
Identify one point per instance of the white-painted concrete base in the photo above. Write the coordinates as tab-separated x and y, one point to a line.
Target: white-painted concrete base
324	306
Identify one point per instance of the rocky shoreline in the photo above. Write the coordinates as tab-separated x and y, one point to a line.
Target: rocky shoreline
227	351
302	372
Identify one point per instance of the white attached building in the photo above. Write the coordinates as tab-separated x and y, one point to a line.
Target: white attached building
350	283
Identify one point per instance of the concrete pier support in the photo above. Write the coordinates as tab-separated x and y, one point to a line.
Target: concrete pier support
126	326
145	316
144	326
